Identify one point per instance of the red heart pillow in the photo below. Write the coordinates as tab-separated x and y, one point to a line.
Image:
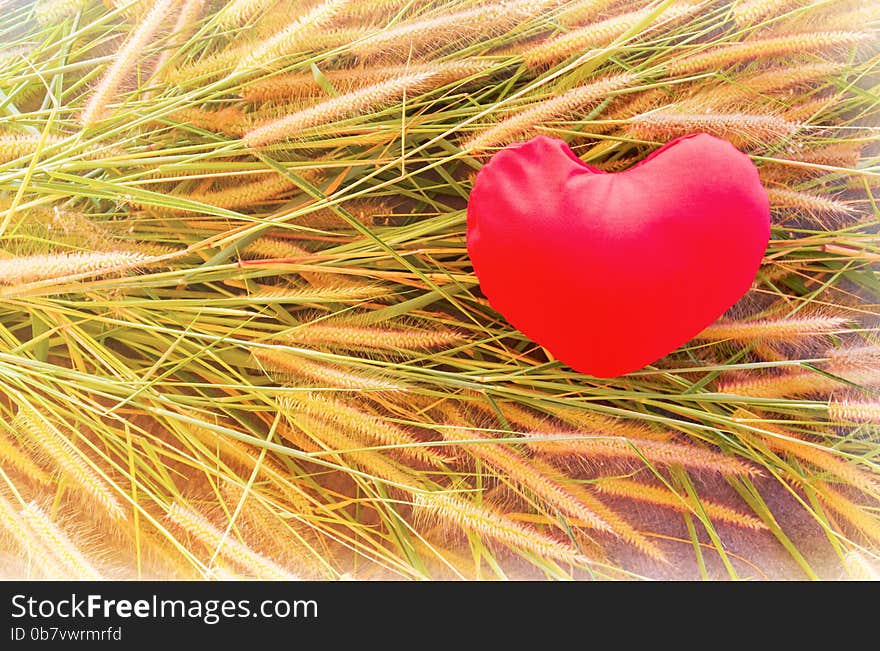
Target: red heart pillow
610	272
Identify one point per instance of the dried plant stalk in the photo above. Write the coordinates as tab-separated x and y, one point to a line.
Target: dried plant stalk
725	55
555	108
742	129
365	426
784	330
854	411
354	103
658	452
19	271
486	521
75	565
293	365
662	496
69	461
237	553
289	39
126	59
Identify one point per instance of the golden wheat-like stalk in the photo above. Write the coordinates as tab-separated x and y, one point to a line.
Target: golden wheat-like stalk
354	336
330	293
44	436
238	12
235	196
289	39
785	330
597	34
621	527
229	119
364	426
14	526
739	128
747	12
304	84
16	146
28	269
854	411
75	565
124	61
576	14
791	384
854	513
422	35
293	365
236	552
14	457
487	521
269	469
525	121
606	425
514	466
369	212
349	451
725	55
357	102
857	358
184	27
657	452
276	534
662	496
806	202
786	441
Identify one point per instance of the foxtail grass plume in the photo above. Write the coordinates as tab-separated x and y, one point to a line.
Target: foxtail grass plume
514	466
184	27
59	545
853	410
291	365
53	11
434	33
619	525
29	269
298	85
288	40
557	445
13	456
792	44
341	107
559	107
486	521
238	12
69	461
742	129
783	330
36	557
16	146
662	496
806	202
243	557
597	34
856	514
748	12
354	336
124	61
366	427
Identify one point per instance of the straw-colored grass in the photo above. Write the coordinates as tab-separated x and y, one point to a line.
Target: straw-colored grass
241	337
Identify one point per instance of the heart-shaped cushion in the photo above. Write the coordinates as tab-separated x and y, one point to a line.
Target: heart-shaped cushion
610	272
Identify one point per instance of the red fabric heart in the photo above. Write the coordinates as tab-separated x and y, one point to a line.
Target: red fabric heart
610	272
